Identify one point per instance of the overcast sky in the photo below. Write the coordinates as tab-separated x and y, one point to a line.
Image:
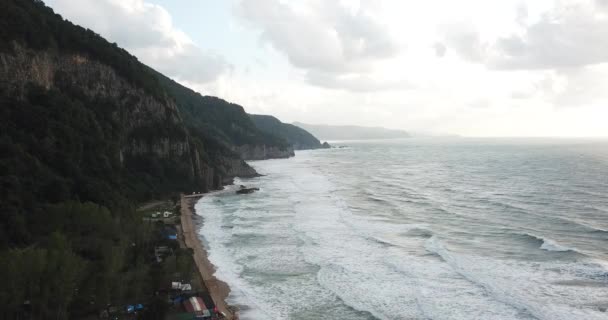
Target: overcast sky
468	67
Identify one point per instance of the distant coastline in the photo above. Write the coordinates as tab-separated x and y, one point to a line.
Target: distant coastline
331	132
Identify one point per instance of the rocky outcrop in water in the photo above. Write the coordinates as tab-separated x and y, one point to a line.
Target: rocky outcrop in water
245	190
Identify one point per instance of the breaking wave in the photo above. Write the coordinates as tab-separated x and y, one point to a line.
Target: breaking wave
319	242
550	244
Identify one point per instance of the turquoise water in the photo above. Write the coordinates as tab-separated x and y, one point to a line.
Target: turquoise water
419	229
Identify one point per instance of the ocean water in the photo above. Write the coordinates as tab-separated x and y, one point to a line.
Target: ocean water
418	229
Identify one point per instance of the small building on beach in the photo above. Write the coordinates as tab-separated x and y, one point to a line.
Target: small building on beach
197	307
177	285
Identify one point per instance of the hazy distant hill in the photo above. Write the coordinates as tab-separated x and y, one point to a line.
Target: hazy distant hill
328	132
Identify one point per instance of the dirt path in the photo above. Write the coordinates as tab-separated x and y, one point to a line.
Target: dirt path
217	289
152	204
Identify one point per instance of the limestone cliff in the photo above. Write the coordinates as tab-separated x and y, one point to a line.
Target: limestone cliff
82	110
148	126
137	109
226	123
263	152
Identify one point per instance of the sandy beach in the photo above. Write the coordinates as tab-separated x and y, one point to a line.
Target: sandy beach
218	290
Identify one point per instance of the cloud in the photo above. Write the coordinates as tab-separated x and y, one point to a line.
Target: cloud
352	82
189	63
326	39
577	87
465	40
147	31
570	35
481	103
440	49
521	16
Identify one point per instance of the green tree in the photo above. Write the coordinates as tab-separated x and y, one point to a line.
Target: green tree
41	282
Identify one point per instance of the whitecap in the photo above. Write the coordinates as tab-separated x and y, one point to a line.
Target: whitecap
532	287
551	245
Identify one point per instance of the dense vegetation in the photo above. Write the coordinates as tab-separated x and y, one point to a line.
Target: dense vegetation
224	121
297	137
31	23
71	242
83	258
56	148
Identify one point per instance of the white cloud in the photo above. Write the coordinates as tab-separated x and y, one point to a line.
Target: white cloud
469	67
352	82
147	31
572	34
465	40
578	87
332	42
440	49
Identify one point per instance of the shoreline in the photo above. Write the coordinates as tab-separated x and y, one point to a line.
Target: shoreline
218	289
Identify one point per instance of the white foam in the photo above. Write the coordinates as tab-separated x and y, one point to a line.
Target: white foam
228	268
551	245
259	256
531	286
294	249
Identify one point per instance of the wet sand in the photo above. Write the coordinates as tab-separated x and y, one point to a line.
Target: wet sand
218	290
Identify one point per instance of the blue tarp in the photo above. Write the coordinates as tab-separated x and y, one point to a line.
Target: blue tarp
172	236
139	306
130	308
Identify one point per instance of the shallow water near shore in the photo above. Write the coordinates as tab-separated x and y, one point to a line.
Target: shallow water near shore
418	229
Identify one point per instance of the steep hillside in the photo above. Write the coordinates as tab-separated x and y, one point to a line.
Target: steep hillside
299	138
227	123
86	133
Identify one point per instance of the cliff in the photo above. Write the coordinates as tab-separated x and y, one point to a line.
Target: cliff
86	133
135	110
145	128
262	152
226	123
298	138
86	112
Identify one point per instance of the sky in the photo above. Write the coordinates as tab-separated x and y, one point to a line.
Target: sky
471	67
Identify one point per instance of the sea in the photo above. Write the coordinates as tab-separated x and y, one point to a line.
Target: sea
420	228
